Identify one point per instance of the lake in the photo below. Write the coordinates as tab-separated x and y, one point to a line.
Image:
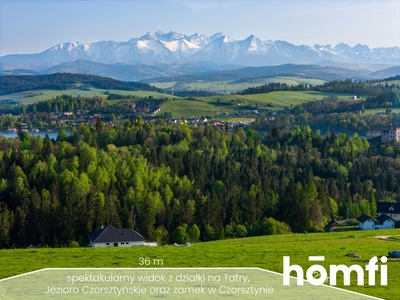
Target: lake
13	134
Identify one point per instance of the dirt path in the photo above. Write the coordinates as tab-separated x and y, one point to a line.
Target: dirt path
388	237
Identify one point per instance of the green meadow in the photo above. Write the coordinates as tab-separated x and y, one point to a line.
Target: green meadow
209	106
182	107
373	111
264	252
30	97
232	86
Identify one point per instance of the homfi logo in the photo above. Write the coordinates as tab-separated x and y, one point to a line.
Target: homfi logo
318	275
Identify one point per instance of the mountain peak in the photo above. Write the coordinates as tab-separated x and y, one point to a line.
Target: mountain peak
159	35
148	36
342	47
174	47
360	47
173	35
253	39
66	45
217	35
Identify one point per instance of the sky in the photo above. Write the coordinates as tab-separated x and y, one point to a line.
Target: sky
33	26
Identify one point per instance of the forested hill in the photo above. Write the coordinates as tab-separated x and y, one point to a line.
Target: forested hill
176	183
63	81
370	87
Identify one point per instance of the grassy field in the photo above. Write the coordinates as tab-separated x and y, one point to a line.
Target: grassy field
232	119
373	111
219	86
181	107
208	106
29	97
264	252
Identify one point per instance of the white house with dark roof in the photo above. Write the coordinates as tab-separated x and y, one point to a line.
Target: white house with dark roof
390	209
383	221
115	237
366	222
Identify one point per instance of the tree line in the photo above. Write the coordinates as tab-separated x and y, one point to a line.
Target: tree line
378	94
273	87
64	81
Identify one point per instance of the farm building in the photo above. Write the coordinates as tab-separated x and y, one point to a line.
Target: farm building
332	225
115	237
381	222
390	209
365	222
384	222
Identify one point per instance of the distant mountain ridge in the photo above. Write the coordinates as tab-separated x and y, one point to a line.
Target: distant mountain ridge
252	73
148	72
176	47
132	71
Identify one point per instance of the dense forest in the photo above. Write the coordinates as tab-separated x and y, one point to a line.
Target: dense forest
273	87
64	81
176	183
331	113
49	113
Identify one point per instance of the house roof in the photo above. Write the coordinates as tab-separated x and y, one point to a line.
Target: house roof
333	221
111	234
382	218
388	207
364	218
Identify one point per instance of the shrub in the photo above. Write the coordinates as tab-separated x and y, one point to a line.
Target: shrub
193	233
73	244
271	226
241	231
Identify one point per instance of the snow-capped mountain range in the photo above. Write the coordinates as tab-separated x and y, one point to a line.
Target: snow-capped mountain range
173	46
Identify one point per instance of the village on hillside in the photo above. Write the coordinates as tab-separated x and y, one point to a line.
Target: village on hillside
388	214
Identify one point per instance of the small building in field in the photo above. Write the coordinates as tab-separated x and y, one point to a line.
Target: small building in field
366	222
115	237
384	222
390	209
152	244
332	225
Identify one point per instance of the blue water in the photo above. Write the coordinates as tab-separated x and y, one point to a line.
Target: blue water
12	134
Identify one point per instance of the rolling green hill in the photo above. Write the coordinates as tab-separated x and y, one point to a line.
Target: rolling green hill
264	252
181	106
29	97
233	85
212	106
209	106
61	81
